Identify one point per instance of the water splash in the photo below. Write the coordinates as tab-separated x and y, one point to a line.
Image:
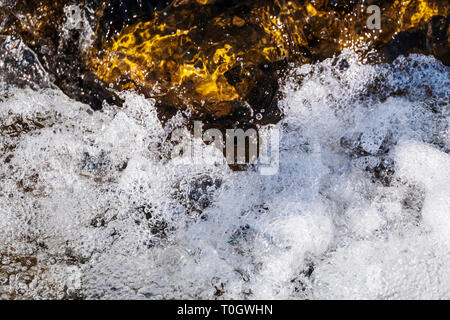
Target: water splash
92	206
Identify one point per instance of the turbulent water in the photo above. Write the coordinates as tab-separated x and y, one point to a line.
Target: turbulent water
93	206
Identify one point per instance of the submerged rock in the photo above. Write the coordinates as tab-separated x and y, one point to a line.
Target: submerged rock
219	59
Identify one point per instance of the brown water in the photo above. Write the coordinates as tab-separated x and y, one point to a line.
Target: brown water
220	59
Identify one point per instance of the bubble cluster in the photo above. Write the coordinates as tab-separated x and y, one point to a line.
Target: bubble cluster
93	206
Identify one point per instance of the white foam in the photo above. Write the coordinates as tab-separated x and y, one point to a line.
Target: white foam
359	208
425	165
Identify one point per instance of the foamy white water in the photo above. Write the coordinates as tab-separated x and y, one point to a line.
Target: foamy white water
91	204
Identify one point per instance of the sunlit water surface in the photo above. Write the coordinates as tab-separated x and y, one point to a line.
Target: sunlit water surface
93	206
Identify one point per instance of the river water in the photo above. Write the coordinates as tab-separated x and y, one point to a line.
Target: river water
92	205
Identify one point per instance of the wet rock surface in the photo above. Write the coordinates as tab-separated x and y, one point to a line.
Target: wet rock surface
216	59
